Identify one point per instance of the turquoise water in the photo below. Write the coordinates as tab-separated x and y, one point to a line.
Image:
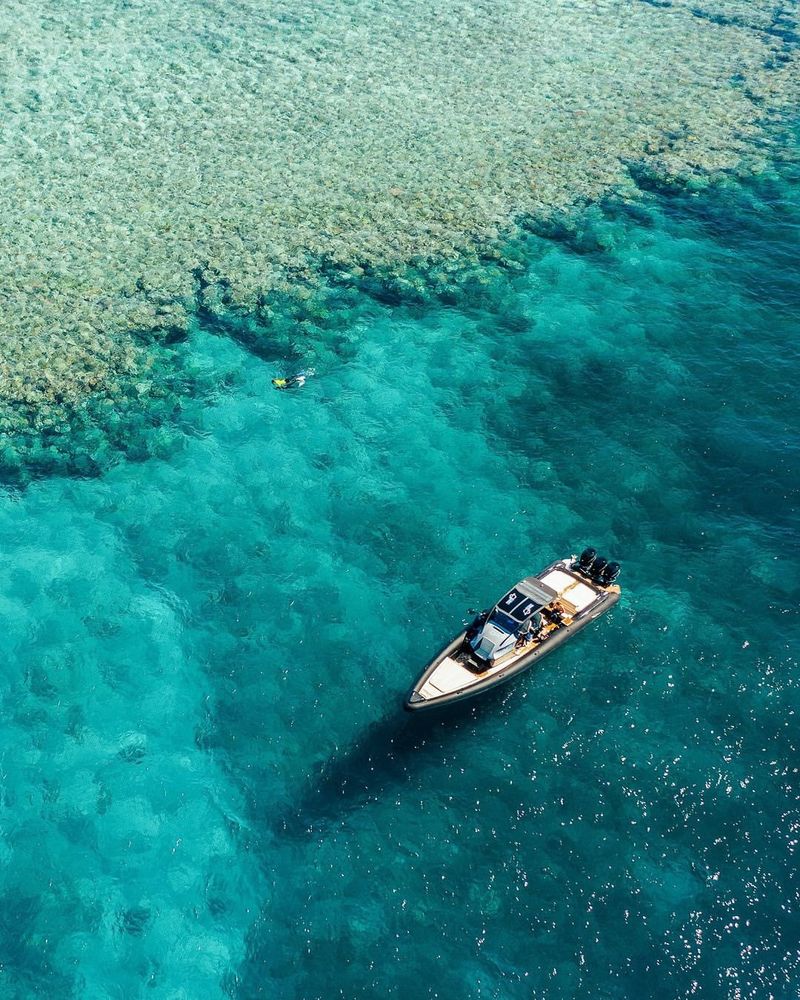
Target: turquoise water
208	786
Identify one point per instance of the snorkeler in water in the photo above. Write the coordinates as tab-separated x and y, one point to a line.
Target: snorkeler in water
292	381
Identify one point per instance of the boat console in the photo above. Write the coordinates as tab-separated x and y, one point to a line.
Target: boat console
516	615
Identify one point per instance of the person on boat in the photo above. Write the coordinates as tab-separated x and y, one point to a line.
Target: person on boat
292	381
476	625
528	630
554	615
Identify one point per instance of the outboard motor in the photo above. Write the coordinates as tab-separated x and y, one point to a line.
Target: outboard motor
587	557
598	568
610	573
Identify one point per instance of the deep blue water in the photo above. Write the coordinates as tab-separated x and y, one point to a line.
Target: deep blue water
208	785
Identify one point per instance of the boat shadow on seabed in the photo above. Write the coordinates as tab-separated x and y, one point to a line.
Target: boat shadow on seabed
385	756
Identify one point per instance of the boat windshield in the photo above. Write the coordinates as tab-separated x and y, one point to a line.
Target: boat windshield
503	621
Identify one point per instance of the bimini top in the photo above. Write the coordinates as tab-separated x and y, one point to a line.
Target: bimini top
526	598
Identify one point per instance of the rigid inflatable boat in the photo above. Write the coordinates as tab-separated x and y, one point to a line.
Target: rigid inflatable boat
535	617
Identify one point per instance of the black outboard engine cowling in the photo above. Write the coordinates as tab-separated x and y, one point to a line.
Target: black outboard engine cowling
586	559
598	568
610	573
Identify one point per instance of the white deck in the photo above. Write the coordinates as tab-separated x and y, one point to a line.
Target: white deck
449	676
577	594
559	580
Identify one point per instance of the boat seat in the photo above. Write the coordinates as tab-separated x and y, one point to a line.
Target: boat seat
580	596
559	580
573	594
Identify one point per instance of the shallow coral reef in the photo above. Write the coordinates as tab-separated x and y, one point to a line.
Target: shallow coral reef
160	159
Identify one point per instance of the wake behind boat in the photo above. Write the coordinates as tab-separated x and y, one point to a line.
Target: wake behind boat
532	619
